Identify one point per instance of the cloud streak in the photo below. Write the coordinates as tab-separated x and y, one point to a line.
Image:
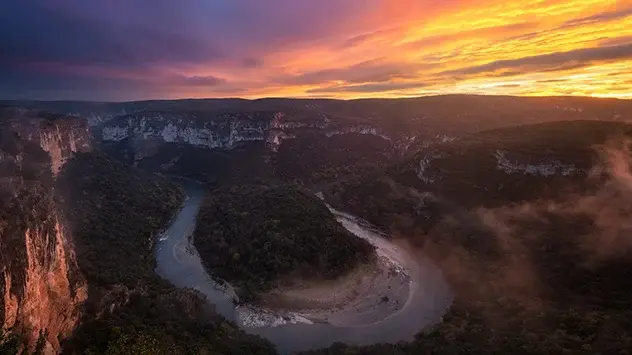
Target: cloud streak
552	62
367	88
202	48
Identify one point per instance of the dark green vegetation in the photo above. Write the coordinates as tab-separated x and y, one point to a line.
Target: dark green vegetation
161	319
234	166
113	207
256	235
542	271
314	158
446	114
11	343
115	212
466	172
317	159
317	140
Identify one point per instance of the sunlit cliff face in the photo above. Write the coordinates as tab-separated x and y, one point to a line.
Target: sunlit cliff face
329	48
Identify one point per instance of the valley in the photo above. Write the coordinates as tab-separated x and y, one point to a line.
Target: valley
449	224
308	140
362	320
260	237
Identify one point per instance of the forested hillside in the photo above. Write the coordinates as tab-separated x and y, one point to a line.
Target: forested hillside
312	141
541	270
489	168
529	224
97	191
116	212
257	235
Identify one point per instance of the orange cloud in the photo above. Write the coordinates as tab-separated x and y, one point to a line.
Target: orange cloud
464	46
419	47
324	48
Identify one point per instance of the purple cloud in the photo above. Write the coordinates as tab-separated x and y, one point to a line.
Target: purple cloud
146	36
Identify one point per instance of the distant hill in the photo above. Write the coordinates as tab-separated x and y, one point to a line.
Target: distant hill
490	168
282	137
530	225
460	112
522	202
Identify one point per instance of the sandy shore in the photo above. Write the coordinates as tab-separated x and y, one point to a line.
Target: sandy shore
367	295
366	311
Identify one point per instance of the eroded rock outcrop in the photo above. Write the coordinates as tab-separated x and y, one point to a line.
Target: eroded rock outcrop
41	286
225	131
222	132
60	137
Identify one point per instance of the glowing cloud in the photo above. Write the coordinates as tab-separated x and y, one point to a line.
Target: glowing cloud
343	49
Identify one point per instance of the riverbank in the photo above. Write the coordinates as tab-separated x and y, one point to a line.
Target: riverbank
425	296
366	295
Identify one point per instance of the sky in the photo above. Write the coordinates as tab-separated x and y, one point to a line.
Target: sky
122	50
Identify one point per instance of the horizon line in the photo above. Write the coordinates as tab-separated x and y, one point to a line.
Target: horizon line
597	97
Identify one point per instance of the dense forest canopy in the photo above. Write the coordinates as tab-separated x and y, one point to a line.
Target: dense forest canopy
467	172
97	191
256	235
116	212
533	274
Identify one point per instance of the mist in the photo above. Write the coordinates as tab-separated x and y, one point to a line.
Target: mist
520	264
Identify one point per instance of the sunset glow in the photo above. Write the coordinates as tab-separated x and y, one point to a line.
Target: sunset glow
377	48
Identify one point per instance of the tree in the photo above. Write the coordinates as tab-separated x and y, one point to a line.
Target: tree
11	343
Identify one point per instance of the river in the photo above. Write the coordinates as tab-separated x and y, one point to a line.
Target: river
178	262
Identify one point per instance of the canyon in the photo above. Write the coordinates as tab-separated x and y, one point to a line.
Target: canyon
136	129
42	286
431	148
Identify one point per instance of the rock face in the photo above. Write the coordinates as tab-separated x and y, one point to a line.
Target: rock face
41	285
202	138
149	140
546	167
43	291
221	131
143	133
60	137
359	130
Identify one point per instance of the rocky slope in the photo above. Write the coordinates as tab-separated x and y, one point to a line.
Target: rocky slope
513	163
490	168
531	227
308	140
401	123
60	137
193	128
42	287
234	145
445	169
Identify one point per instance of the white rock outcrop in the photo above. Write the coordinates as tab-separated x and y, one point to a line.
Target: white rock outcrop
543	168
220	133
359	130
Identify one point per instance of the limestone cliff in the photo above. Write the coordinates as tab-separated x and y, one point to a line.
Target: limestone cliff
58	136
41	286
223	131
